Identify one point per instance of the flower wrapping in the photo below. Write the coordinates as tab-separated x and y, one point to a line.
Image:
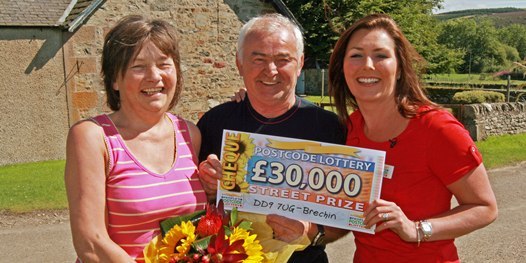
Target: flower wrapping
274	250
216	236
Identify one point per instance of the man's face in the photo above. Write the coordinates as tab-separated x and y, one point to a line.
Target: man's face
270	66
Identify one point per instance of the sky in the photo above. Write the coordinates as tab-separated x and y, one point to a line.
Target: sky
453	5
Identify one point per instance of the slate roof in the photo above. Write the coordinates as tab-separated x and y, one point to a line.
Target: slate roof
66	14
69	14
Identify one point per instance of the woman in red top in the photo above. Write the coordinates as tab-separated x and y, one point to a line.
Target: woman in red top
429	155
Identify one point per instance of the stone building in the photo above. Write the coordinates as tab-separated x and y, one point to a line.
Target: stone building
50	63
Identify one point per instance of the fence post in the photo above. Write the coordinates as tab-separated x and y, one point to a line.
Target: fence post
508	89
322	83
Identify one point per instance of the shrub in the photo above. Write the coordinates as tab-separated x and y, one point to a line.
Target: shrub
442	95
478	96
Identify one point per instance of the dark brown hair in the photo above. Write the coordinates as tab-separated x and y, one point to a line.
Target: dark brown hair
409	94
125	40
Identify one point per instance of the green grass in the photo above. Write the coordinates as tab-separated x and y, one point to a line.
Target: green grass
317	99
470	79
32	186
320	99
40	186
498	151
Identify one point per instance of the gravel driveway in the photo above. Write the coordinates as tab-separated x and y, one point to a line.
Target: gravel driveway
44	236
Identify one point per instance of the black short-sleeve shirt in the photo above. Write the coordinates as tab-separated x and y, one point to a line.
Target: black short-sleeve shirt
303	121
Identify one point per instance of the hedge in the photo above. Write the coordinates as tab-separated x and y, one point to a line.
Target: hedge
478	96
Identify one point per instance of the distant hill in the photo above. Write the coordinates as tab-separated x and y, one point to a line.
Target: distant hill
501	16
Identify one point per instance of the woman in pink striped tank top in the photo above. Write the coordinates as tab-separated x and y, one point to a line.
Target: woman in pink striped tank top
130	169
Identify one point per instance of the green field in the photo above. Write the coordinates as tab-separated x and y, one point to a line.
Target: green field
499	151
32	186
40	186
470	79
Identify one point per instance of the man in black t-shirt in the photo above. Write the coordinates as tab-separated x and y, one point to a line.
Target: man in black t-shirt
269	58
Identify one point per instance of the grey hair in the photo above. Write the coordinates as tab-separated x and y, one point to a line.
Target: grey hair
271	23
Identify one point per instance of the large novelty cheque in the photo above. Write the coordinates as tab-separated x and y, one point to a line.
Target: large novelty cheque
323	183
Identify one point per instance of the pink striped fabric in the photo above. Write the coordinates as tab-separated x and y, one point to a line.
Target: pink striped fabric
138	199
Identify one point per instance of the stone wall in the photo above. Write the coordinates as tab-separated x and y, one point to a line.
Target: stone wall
483	120
51	79
208	31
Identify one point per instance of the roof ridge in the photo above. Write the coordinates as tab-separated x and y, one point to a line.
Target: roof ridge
68	9
67	14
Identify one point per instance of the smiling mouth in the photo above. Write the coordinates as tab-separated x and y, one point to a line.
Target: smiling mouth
269	83
368	80
152	91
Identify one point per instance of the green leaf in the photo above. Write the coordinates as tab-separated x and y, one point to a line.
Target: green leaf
228	231
169	223
245	224
233	216
201	244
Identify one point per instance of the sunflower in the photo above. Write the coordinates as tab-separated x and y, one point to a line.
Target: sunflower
188	230
246	147
246	150
240	181
179	238
252	247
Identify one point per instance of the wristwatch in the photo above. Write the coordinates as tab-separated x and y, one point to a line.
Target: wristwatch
320	236
427	229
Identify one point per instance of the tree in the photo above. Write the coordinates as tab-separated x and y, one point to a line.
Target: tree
478	39
514	36
324	20
319	37
421	29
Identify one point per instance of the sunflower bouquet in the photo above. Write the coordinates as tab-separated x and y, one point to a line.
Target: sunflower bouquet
205	236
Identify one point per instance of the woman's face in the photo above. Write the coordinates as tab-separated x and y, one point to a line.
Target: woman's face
370	66
149	81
